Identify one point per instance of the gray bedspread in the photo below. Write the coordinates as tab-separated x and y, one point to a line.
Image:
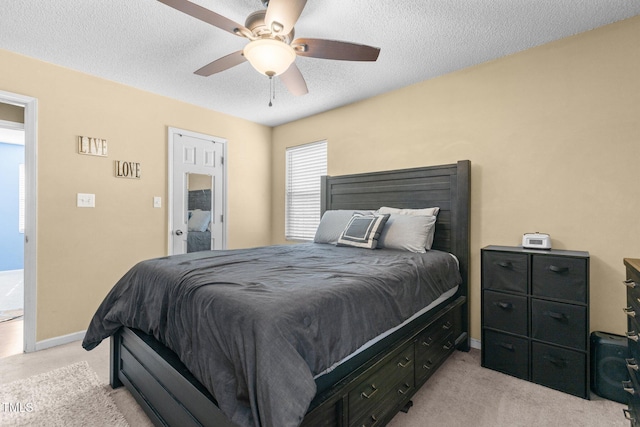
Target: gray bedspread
255	325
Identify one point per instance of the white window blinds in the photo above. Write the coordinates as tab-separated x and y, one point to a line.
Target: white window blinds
305	165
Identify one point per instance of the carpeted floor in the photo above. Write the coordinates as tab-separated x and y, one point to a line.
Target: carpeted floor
71	396
461	393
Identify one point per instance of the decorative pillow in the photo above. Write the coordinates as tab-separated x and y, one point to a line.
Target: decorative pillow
363	231
199	220
408	232
425	211
332	225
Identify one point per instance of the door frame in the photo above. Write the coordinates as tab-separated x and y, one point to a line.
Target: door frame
171	132
30	106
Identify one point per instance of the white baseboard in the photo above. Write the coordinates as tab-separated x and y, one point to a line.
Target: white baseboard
474	343
56	341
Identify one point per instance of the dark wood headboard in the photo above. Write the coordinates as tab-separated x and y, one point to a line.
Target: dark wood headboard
445	186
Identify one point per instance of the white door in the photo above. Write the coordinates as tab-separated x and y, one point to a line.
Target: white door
196	192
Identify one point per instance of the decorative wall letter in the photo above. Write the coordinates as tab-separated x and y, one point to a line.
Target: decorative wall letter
92	146
127	169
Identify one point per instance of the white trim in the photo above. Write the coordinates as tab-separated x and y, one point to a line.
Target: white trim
56	341
474	343
171	132
11	125
30	126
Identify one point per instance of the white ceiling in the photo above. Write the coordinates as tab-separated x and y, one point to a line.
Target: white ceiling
148	45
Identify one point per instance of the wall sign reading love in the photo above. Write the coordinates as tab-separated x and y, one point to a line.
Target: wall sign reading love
125	169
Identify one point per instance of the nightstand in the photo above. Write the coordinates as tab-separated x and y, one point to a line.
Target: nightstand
535	316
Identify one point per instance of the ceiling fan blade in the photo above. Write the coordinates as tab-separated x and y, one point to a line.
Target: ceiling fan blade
282	15
207	16
222	64
293	80
333	49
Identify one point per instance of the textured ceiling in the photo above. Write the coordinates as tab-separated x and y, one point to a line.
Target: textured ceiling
148	45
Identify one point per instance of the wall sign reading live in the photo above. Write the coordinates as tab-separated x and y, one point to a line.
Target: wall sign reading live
126	169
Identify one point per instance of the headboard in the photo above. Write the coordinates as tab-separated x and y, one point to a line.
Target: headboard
445	186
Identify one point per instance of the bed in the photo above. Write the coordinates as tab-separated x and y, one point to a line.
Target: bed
366	388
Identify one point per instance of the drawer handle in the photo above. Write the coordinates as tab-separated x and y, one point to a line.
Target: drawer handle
630	283
447	325
632	364
447	346
427	342
561	363
505	264
556	315
632	335
404	364
558	270
504	305
629	311
374	390
427	365
507	346
401	391
627	414
628	387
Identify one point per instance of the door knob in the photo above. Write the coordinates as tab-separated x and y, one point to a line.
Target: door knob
178	232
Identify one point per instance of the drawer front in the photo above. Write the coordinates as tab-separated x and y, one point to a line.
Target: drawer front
633	338
559	277
506	353
505	312
369	392
561	369
505	271
559	323
379	414
633	412
428	361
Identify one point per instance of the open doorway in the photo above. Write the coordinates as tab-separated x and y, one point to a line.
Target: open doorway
12	210
20	112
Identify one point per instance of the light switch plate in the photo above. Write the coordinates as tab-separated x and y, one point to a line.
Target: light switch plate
157	202
86	200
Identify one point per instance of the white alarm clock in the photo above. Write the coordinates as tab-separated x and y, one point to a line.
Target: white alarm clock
536	241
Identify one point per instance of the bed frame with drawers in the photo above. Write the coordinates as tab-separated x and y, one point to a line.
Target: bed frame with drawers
368	389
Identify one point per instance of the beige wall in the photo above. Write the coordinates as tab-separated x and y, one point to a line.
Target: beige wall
82	252
552	135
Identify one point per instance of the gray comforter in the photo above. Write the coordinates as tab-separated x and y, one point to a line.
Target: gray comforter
255	325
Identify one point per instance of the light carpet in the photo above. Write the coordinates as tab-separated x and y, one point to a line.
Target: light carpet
463	394
69	396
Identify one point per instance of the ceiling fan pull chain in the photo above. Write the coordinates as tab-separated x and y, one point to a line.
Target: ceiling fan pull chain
270	91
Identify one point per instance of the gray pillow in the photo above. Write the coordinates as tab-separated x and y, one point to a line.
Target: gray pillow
363	231
332	225
408	232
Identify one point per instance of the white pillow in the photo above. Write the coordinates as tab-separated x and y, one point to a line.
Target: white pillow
199	220
424	211
408	232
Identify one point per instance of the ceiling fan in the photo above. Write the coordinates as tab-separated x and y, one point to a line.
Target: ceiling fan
271	49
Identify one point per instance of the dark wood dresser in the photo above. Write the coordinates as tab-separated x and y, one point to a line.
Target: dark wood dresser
535	316
633	329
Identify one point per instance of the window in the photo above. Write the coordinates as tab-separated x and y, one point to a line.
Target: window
305	165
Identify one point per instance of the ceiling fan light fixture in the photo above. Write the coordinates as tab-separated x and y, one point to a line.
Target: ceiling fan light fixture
269	57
